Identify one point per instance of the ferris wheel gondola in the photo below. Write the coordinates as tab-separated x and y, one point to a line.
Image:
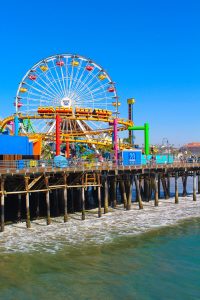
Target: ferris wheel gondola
76	88
66	81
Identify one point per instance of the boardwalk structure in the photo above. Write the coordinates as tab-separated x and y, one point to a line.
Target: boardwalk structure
47	191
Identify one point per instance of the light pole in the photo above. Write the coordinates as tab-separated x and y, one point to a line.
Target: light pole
165	141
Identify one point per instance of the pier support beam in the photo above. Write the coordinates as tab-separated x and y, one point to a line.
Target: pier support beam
123	192
146	189
150	189
19	208
130	190
156	190
48	208
184	180
55	202
198	184
99	197
164	187
158	186
176	187
99	201
138	191
47	200
37	205
83	202
141	187
2	204
105	195
194	186
114	192
72	199
168	184
65	204
28	222
65	198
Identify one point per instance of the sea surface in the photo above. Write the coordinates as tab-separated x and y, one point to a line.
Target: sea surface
139	254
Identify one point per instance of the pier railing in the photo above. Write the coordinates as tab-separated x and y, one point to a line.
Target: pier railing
80	165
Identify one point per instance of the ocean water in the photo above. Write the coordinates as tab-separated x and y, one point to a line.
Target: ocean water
139	254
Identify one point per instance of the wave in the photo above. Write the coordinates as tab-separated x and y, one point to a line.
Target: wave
118	222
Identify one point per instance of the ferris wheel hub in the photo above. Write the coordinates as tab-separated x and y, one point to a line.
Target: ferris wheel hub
73	86
66	102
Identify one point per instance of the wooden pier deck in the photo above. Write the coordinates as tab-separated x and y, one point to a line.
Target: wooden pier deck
29	193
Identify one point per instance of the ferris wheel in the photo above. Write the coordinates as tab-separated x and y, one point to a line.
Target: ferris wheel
72	85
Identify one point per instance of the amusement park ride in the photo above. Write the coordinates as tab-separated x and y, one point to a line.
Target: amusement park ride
67	99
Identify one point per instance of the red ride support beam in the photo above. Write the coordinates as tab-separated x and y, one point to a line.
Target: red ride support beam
67	149
58	142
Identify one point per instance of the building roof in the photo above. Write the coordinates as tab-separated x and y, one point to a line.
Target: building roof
193	145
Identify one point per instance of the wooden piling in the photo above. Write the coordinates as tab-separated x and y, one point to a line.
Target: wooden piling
184	180
159	186
2	204
105	195
138	191
65	198
150	188
99	201
72	199
168	185
156	189
19	184
198	183
146	188
114	192
130	190
136	194
28	221
194	185
65	204
176	187
19	208
47	200
37	205
99	197
164	187
83	202
123	192
141	187
55	202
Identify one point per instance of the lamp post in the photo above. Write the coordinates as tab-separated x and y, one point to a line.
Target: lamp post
165	141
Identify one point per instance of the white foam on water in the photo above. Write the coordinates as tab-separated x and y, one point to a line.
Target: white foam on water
94	230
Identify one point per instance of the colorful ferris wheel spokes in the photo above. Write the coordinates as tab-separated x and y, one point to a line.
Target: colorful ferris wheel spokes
66	83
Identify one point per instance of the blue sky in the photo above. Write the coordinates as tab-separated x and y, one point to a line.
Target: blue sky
151	49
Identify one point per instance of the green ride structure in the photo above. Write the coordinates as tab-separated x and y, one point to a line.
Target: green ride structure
145	128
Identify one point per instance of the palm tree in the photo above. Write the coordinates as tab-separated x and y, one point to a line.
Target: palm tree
47	152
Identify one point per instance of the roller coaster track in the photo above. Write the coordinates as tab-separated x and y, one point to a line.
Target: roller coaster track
123	124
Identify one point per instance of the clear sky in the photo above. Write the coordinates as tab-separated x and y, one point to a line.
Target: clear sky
151	49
